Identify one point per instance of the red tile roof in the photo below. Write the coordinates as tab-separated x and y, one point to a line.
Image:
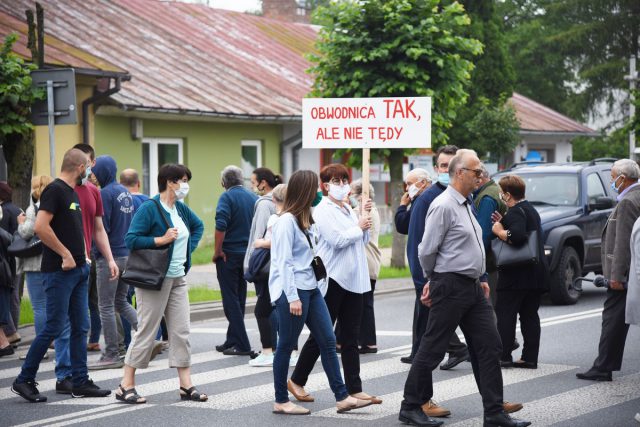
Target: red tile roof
535	117
187	57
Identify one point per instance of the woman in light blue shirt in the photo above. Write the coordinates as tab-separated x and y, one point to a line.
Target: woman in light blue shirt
294	291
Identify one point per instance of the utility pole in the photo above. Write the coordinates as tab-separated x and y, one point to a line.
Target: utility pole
633	78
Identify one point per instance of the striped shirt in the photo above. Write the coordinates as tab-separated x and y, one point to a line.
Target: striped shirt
342	245
452	240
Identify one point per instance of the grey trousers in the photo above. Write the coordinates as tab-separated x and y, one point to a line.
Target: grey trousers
15	305
172	301
112	298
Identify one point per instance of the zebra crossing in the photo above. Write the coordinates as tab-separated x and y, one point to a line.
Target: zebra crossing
242	395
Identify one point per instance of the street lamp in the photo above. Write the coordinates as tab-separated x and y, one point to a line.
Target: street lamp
632	78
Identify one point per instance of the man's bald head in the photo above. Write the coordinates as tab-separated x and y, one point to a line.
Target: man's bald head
72	159
129	178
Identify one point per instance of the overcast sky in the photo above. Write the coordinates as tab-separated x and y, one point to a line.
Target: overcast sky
238	5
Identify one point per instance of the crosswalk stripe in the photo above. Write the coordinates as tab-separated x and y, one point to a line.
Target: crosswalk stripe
98	412
446	390
129	408
109	374
574	403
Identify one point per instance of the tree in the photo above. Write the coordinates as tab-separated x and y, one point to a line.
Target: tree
16	130
492	82
494	128
376	48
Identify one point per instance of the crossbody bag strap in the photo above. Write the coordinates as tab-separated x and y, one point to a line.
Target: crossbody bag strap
164	218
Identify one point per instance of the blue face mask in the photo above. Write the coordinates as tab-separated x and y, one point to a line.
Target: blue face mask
443	178
613	184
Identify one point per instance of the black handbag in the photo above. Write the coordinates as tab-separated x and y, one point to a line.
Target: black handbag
316	263
509	255
259	265
147	268
24	248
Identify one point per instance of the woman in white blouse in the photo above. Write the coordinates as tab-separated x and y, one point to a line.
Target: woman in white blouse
342	248
294	291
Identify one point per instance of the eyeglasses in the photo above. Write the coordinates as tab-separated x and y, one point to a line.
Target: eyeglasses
478	172
337	181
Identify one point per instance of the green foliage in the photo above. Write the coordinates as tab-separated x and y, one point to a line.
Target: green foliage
494	129
381	48
615	145
492	82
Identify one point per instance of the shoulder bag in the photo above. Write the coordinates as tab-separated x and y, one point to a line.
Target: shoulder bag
147	268
318	266
508	255
259	264
25	248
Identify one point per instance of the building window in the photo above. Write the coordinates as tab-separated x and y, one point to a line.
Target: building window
155	153
251	159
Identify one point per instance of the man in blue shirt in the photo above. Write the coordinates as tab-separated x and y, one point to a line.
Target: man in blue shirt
233	226
457	351
130	179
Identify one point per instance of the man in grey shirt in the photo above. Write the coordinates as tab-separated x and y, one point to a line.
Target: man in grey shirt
453	259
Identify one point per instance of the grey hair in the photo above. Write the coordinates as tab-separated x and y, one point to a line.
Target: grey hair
485	172
460	160
231	176
420	174
279	192
356	188
627	167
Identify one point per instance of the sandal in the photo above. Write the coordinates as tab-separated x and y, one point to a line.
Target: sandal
192	394
130	396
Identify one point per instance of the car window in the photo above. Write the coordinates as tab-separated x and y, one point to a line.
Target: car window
551	189
595	189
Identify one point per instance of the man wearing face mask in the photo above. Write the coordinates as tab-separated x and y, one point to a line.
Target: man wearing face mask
616	259
417	181
112	294
65	270
457	350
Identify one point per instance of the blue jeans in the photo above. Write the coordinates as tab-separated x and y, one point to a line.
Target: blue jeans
38	297
67	302
234	297
316	316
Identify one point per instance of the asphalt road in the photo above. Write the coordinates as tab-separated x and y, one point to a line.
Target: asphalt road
241	395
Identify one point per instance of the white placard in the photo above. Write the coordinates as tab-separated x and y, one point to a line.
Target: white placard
366	122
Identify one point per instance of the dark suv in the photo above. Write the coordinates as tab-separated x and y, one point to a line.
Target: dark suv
574	201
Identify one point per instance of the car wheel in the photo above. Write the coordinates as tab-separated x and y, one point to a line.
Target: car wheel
567	270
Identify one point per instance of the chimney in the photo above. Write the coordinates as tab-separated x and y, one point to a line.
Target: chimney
287	10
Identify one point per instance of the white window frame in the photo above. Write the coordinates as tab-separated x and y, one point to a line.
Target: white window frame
153	158
252	143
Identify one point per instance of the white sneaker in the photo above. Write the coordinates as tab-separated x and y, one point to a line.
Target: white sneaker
262	360
294	359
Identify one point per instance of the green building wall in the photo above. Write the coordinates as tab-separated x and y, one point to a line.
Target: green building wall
207	148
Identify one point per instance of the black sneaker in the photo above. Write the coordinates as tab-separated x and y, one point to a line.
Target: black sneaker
28	391
89	389
65	386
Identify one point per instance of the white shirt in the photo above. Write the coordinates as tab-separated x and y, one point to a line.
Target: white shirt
342	245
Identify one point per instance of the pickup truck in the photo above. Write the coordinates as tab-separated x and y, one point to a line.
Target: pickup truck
574	201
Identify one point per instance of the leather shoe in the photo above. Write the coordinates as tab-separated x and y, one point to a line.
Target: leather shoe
432	409
595	375
454	360
235	352
299	392
511	407
503	420
524	364
222	347
407	359
416	417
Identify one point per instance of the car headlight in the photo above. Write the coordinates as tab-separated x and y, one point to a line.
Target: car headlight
547	251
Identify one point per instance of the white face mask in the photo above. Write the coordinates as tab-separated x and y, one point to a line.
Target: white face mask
182	192
413	190
339	192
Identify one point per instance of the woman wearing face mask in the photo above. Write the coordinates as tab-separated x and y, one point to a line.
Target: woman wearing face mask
148	230
263	181
342	248
519	287
31	265
298	301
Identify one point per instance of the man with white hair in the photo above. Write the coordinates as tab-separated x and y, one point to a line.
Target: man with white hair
452	258
233	226
416	181
615	253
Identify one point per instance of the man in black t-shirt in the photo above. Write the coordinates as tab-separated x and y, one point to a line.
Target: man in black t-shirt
65	270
